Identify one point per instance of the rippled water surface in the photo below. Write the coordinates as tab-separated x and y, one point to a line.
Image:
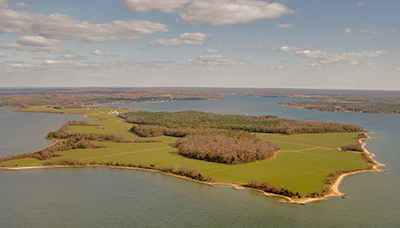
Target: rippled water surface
104	197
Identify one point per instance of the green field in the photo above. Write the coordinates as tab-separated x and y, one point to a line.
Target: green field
303	163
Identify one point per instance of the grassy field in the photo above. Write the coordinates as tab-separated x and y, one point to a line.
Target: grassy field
303	163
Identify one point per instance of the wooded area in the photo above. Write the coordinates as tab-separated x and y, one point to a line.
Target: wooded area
184	121
224	149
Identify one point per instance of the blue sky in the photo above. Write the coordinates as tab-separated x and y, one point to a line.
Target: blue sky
341	44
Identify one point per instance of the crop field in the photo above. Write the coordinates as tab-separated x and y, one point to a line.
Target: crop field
303	163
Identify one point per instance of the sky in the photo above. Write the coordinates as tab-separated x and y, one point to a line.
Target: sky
341	44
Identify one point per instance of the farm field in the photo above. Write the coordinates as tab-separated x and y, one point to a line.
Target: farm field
302	164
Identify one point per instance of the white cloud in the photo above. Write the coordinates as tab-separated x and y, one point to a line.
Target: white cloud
209	70
398	68
392	30
314	65
14	46
72	57
51	65
194	38
217	60
186	38
254	47
50	49
13	67
4	4
259	67
222	47
3	55
348	30
376	31
60	26
146	64
360	3
285	26
38	41
168	6
286	48
39	57
48	65
364	30
22	5
276	67
100	53
219	12
223	12
352	58
49	62
211	51
166	42
37	44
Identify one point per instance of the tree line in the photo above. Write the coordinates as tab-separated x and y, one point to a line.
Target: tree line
353	147
272	188
157	131
260	124
87	136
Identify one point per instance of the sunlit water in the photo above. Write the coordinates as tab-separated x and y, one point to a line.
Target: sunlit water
103	197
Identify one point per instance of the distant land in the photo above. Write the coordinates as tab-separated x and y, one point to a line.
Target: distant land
368	101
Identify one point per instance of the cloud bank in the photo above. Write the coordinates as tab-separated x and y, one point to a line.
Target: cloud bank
65	27
326	58
217	60
221	12
186	38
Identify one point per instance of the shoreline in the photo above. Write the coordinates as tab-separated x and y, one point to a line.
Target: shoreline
334	188
236	186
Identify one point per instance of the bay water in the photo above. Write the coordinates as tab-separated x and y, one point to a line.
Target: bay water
105	197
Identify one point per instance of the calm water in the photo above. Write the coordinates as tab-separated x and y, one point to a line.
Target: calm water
25	132
103	197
